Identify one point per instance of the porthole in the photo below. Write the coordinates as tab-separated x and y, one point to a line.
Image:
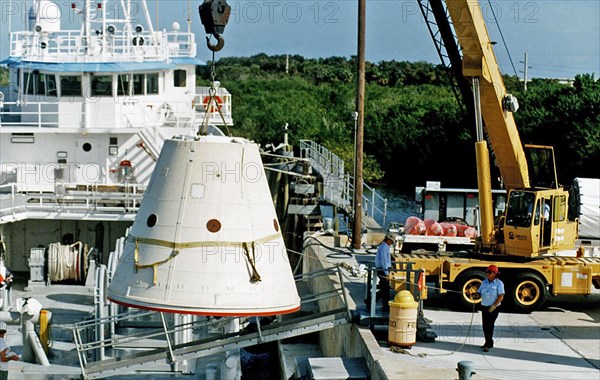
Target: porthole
87	147
152	219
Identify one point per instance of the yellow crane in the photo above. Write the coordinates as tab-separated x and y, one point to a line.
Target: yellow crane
535	224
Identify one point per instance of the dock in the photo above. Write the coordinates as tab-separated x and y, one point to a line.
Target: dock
561	341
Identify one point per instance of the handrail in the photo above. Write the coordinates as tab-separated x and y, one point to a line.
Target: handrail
16	202
67	45
161	333
54	113
339	186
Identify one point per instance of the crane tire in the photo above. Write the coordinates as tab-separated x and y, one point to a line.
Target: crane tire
528	292
467	284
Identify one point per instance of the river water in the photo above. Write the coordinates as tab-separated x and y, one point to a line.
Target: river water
399	205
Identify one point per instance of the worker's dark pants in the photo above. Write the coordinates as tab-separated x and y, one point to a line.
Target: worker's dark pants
384	290
383	293
487	320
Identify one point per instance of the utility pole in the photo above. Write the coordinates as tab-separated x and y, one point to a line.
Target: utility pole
525	67
360	108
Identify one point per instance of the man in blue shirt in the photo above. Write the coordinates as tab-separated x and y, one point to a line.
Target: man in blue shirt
492	294
383	261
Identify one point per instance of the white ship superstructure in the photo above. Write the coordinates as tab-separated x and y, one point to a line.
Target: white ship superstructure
84	118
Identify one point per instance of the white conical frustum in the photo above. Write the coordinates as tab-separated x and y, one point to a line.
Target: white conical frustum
206	239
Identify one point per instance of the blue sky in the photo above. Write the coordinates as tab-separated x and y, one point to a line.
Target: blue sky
561	37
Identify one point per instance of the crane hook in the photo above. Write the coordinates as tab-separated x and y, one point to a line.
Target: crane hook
218	46
214	15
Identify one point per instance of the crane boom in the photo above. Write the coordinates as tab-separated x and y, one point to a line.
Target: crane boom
535	220
479	60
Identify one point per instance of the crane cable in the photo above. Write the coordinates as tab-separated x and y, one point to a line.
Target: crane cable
502	36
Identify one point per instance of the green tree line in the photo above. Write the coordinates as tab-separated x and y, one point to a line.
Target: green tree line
415	129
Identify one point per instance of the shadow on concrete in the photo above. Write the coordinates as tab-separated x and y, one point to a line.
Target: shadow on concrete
533	357
76	299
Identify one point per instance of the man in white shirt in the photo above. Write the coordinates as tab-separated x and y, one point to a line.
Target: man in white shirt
5	354
383	261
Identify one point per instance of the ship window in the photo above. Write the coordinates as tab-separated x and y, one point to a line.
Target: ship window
147	82
36	83
179	78
123	85
152	83
138	84
102	85
70	85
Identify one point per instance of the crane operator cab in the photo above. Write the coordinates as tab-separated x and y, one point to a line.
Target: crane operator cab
536	221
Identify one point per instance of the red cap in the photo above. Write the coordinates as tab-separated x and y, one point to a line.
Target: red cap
493	268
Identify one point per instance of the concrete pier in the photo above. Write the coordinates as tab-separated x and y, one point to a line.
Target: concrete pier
561	341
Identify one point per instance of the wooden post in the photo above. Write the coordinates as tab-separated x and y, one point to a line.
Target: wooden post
360	107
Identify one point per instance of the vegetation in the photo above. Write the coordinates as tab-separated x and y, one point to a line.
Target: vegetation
415	130
3	76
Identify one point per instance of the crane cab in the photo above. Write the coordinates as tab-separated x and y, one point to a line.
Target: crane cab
536	219
536	223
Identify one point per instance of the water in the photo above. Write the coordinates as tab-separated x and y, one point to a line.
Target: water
399	205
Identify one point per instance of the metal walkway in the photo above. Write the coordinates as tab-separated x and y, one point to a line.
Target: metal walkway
286	326
338	186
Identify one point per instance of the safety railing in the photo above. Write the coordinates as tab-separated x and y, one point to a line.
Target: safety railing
55	113
71	45
339	186
403	275
122	199
161	329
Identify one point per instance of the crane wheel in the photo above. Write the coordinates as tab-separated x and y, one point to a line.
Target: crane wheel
467	284
529	292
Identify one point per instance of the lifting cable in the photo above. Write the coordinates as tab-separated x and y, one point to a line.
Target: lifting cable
214	16
212	102
502	36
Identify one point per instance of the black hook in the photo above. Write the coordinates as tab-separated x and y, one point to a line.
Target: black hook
218	46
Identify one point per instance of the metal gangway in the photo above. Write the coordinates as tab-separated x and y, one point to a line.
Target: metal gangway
304	321
338	186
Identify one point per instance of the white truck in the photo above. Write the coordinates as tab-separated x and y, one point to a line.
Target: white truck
460	205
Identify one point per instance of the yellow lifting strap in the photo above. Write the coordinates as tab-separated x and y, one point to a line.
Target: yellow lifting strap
197	244
44	330
254	277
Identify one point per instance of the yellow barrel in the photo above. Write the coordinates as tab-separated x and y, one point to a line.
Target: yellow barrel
403	320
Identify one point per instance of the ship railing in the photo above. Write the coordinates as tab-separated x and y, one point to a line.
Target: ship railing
338	186
201	105
54	114
16	201
70	45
